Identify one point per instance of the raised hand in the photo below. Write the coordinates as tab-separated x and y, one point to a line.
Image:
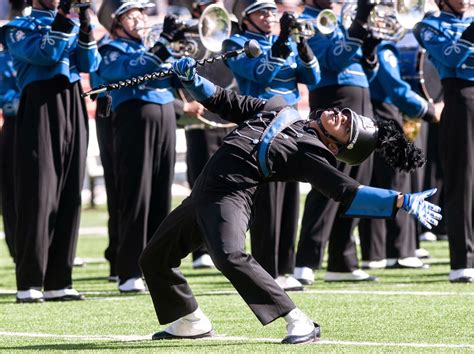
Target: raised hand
364	7
425	212
185	68
64	6
171	28
287	23
85	18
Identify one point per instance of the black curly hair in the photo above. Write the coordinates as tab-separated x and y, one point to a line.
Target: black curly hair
399	153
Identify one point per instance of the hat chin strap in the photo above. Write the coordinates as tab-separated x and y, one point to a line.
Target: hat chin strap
340	146
257	27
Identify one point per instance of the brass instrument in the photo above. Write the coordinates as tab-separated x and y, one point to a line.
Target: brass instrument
205	34
390	18
325	23
412	127
81	3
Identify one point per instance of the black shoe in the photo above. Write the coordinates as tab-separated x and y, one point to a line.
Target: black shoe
307	338
463	280
30	300
165	335
305	281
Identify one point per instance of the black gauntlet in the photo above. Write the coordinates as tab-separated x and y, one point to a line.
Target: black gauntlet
85	33
304	50
160	50
62	24
430	114
468	33
281	49
65	5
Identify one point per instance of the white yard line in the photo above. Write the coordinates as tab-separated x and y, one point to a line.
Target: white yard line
357	292
334	292
224	338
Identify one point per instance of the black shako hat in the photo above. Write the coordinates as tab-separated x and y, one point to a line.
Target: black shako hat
384	136
362	140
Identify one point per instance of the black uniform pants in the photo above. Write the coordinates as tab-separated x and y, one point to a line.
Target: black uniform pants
434	175
144	142
201	145
320	218
106	148
8	182
388	238
457	156
274	226
220	220
50	154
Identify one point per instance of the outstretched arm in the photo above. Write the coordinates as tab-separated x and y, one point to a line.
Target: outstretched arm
226	103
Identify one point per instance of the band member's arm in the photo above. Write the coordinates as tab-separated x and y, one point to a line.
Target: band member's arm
445	49
366	201
88	57
226	103
116	66
307	71
26	43
399	91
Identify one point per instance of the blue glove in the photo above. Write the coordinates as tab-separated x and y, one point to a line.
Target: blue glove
427	213
185	68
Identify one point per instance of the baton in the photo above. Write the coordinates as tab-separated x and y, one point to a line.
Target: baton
251	49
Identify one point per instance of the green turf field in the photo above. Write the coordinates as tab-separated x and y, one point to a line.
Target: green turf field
406	311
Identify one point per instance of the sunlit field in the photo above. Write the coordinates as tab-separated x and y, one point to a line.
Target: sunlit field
405	311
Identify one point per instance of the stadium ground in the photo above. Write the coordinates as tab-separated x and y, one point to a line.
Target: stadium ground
406	311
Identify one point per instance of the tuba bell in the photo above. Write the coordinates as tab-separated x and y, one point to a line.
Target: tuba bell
200	36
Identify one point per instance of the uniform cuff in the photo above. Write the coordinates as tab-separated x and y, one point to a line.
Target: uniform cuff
430	114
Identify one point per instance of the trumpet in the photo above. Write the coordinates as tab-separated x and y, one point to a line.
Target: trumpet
325	23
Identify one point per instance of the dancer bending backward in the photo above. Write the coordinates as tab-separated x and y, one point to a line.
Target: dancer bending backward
271	143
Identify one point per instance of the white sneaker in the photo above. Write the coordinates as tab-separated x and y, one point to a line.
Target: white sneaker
288	283
428	236
133	285
355	275
465	275
408	262
422	253
305	275
63	295
191	325
203	262
30	295
374	264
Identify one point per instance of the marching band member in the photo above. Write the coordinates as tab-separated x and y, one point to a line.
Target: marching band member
144	131
392	243
9	99
49	50
271	143
105	140
347	62
449	40
277	72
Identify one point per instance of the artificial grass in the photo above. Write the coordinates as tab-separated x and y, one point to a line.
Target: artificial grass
404	306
